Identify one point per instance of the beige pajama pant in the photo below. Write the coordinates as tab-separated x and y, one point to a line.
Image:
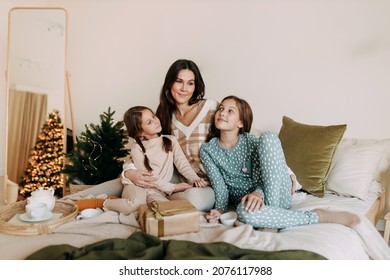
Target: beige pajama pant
133	196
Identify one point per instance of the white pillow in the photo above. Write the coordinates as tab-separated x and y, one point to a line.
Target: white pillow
353	168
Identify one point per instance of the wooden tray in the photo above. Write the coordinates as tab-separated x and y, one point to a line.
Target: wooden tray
67	209
77	188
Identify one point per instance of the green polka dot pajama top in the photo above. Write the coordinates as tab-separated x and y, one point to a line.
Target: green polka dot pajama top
254	164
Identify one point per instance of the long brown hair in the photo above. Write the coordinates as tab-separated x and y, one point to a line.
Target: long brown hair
245	114
133	122
167	103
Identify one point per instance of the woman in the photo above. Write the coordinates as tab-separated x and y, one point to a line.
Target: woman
250	174
185	113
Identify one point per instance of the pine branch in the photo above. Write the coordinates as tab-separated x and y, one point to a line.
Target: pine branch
97	155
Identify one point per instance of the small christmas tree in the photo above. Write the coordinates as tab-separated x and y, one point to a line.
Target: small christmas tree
98	154
46	162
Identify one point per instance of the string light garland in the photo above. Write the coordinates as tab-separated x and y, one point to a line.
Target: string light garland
92	159
47	158
99	152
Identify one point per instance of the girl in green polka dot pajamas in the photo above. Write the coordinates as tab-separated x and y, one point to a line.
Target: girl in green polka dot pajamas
250	175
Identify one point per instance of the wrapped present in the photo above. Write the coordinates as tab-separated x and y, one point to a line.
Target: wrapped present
166	218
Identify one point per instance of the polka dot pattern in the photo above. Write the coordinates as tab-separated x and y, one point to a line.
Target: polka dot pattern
254	164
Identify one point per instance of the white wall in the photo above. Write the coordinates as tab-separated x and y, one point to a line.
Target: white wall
37	58
319	62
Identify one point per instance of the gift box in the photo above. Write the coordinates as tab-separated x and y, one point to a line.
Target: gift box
166	218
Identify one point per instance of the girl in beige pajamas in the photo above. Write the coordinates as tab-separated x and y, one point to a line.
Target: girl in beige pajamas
153	152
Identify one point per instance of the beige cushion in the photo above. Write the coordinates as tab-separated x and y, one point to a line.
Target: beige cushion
354	167
309	150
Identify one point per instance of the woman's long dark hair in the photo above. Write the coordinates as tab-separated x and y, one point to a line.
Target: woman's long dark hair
245	114
167	104
133	122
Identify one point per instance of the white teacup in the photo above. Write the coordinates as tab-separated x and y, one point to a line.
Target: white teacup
228	218
36	210
89	213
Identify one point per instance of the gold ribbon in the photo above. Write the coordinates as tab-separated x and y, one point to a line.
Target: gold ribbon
159	215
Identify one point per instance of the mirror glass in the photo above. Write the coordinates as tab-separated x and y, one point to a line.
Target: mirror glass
36	87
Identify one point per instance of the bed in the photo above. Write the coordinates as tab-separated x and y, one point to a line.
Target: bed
319	241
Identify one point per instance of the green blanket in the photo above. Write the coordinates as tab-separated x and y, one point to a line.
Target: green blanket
141	246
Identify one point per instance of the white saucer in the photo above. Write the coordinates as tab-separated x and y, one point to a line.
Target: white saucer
25	218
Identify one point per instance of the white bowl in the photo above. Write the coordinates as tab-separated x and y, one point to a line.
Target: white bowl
228	218
89	213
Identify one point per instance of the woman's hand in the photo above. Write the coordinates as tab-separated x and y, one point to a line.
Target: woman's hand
201	183
181	187
252	201
141	178
213	215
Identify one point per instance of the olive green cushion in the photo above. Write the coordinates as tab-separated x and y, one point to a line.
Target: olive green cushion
309	150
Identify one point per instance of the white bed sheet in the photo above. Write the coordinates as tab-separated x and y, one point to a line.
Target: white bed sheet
332	201
332	241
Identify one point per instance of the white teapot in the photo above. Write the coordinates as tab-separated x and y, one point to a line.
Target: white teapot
42	195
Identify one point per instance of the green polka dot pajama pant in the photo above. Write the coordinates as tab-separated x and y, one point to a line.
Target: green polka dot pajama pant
276	193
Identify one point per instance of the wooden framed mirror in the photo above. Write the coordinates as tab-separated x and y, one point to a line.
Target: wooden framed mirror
37	101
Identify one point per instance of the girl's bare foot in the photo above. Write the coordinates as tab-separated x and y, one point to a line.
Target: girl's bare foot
338	217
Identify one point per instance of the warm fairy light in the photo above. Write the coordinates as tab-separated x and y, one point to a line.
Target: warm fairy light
46	162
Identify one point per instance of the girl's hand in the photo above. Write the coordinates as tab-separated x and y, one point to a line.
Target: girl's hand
141	178
294	183
213	215
201	183
181	187
252	201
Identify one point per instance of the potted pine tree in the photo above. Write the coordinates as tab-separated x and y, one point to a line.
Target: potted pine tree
98	154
